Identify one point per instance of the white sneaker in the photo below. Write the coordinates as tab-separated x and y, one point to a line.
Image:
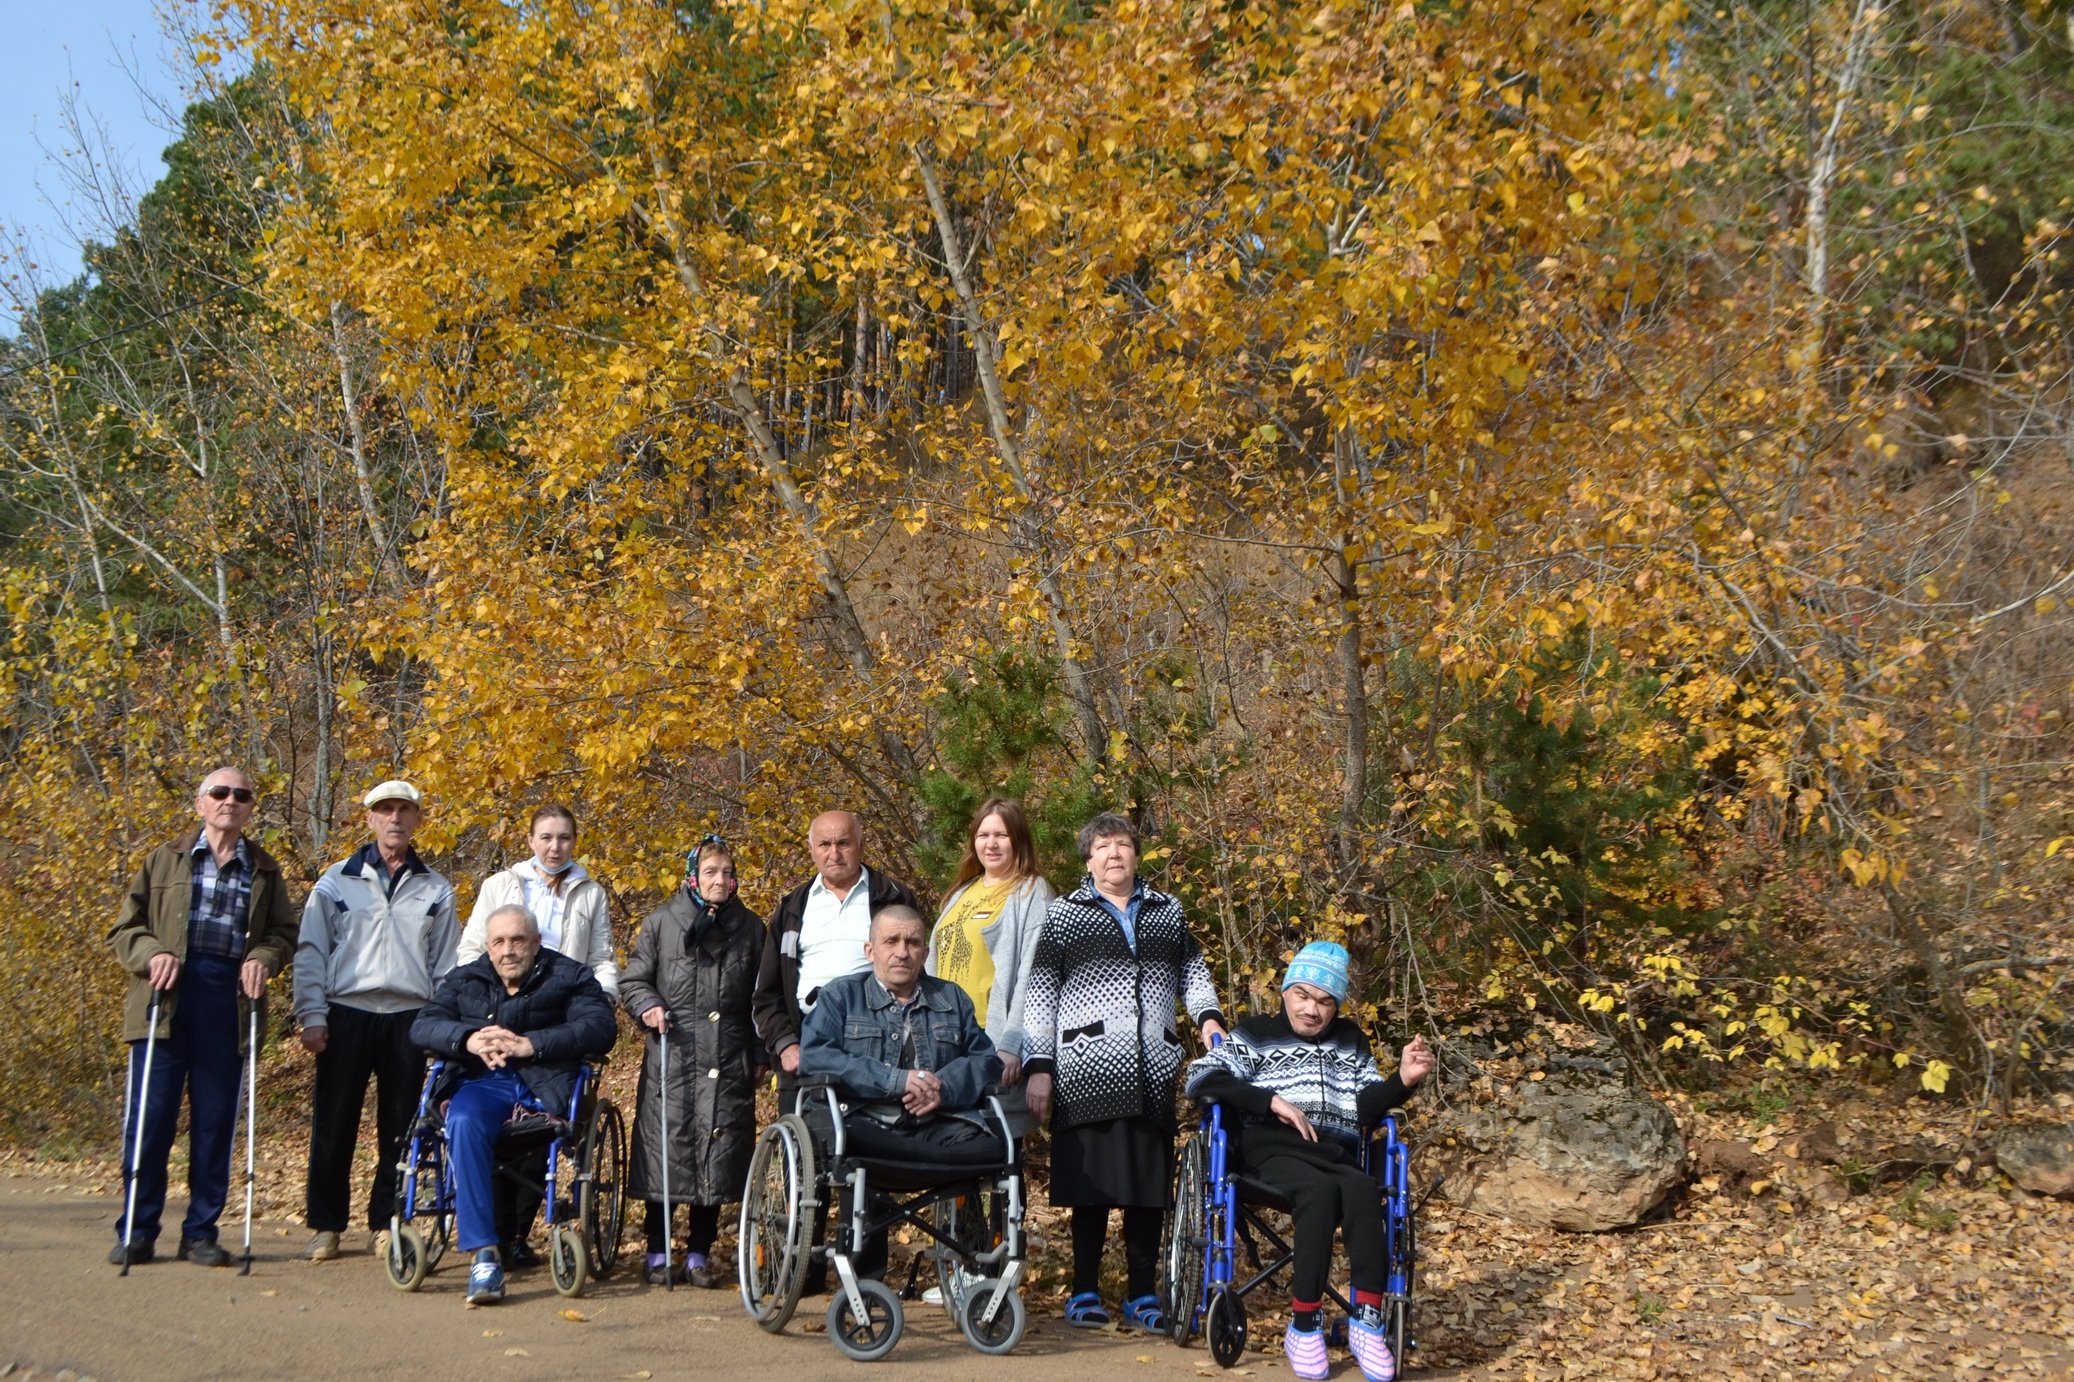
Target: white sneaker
323	1247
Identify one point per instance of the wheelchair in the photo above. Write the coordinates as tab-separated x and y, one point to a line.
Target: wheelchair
972	1218
575	1163
1215	1206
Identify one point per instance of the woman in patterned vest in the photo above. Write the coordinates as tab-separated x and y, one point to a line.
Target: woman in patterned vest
1100	1049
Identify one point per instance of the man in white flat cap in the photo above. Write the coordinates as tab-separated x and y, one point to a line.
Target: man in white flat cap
378	931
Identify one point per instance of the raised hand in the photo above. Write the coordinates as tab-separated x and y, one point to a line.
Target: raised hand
1415	1062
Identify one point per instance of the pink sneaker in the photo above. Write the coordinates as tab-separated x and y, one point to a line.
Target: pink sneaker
1371	1349
1307	1356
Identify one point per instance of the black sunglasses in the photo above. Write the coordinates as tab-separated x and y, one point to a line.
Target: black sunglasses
240	795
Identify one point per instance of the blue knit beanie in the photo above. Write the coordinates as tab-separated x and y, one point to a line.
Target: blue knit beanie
1322	965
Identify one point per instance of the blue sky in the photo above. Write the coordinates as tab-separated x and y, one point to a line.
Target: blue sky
46	46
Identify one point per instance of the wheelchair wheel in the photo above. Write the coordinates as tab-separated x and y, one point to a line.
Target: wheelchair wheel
1398	1323
1224	1325
568	1263
1398	1331
439	1239
778	1203
976	1223
601	1196
408	1258
871	1338
1005	1331
1187	1240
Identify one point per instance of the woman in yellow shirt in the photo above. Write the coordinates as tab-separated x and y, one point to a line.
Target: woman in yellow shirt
990	923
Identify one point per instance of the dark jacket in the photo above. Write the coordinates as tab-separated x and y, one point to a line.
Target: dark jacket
1101	1015
559	1008
777	977
700	963
857	1033
153	921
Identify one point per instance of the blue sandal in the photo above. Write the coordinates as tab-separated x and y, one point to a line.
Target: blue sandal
1145	1313
1085	1311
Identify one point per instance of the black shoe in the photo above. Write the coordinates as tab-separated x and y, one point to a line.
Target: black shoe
203	1252
140	1252
519	1256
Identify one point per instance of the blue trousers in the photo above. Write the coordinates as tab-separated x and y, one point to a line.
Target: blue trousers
474	1121
199	1054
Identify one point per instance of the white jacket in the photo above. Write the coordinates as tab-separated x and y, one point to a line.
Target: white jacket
586	921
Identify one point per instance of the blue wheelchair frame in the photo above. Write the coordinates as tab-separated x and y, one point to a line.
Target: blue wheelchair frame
1212	1212
582	1234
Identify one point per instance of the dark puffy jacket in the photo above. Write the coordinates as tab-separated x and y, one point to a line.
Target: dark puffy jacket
777	977
559	1008
701	964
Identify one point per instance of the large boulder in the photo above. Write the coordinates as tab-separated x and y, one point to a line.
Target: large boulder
2039	1157
1575	1149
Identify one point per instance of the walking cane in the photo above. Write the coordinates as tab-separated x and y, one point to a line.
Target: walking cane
669	1217
251	1130
143	1091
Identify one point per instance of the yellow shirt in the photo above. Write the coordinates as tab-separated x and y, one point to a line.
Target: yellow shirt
961	954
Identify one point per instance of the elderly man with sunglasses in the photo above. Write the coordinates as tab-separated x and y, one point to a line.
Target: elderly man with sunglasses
205	924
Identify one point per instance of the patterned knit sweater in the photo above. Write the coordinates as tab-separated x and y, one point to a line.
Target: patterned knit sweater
1332	1077
1101	1017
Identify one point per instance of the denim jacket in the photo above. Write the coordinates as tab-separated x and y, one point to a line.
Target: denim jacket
856	1031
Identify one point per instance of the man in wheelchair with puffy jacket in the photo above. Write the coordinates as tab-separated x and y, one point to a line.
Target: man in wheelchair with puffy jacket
1304	1084
907	1055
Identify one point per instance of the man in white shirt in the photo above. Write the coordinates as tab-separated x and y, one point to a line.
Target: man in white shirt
817	935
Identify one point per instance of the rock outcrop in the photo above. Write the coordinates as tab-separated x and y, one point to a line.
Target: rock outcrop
2038	1157
1571	1146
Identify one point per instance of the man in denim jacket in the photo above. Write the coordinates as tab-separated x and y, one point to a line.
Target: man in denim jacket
907	1056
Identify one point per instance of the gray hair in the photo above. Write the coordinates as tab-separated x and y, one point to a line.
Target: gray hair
897	911
1108	823
219	771
515	909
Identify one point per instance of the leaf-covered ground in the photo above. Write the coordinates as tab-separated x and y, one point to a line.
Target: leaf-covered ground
1813	1269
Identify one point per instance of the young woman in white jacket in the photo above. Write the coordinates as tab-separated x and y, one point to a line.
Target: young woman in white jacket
570	904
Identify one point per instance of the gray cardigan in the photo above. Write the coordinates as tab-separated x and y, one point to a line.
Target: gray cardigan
1011	938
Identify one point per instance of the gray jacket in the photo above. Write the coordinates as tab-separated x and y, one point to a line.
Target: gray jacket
381	950
1011	938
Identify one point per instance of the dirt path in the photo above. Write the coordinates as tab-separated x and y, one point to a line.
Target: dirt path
1954	1283
61	1307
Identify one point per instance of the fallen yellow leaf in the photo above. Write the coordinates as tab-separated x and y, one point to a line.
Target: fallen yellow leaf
516	1353
573	1316
492	1333
269	1293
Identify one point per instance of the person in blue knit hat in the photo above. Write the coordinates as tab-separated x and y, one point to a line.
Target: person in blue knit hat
1304	1084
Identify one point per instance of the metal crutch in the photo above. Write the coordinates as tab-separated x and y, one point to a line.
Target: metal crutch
251	1128
669	1215
143	1092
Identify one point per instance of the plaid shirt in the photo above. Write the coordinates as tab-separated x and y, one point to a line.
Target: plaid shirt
222	896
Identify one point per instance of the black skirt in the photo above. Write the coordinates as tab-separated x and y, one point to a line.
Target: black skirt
1125	1163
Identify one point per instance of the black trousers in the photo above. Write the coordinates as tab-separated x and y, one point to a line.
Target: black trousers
1141	1230
1327	1196
360	1045
701	1228
937	1141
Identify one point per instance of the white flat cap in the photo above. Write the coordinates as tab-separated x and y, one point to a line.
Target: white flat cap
395	789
